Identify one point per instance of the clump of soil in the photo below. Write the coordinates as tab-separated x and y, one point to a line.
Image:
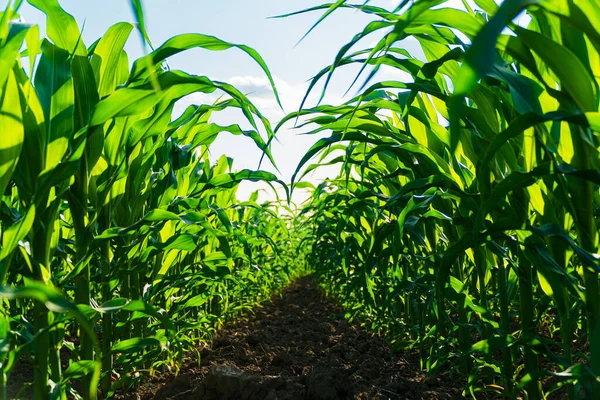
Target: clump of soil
297	347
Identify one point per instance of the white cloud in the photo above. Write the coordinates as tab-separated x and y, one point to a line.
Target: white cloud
260	93
258	89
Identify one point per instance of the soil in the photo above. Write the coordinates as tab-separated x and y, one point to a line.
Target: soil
298	347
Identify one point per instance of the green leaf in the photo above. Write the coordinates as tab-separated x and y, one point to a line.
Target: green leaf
106	57
11	120
574	77
135	344
138	11
112	306
494	344
61	27
184	241
16	233
158	215
196	301
80	369
54	87
481	55
180	43
9	52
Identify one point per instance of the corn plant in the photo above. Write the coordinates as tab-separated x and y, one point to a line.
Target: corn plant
123	246
463	220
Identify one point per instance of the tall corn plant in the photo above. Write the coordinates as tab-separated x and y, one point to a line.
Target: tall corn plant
111	208
463	221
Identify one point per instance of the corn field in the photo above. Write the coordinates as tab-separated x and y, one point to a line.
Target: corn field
121	244
462	224
464	218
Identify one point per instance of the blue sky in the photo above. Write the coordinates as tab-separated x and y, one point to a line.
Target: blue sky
244	22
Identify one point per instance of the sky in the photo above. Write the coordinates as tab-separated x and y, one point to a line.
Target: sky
244	22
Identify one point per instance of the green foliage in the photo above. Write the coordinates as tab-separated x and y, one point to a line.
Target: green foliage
463	223
121	244
464	218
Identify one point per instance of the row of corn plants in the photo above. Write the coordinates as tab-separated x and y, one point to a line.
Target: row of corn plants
122	245
463	223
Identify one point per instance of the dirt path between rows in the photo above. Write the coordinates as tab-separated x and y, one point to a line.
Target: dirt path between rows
298	347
